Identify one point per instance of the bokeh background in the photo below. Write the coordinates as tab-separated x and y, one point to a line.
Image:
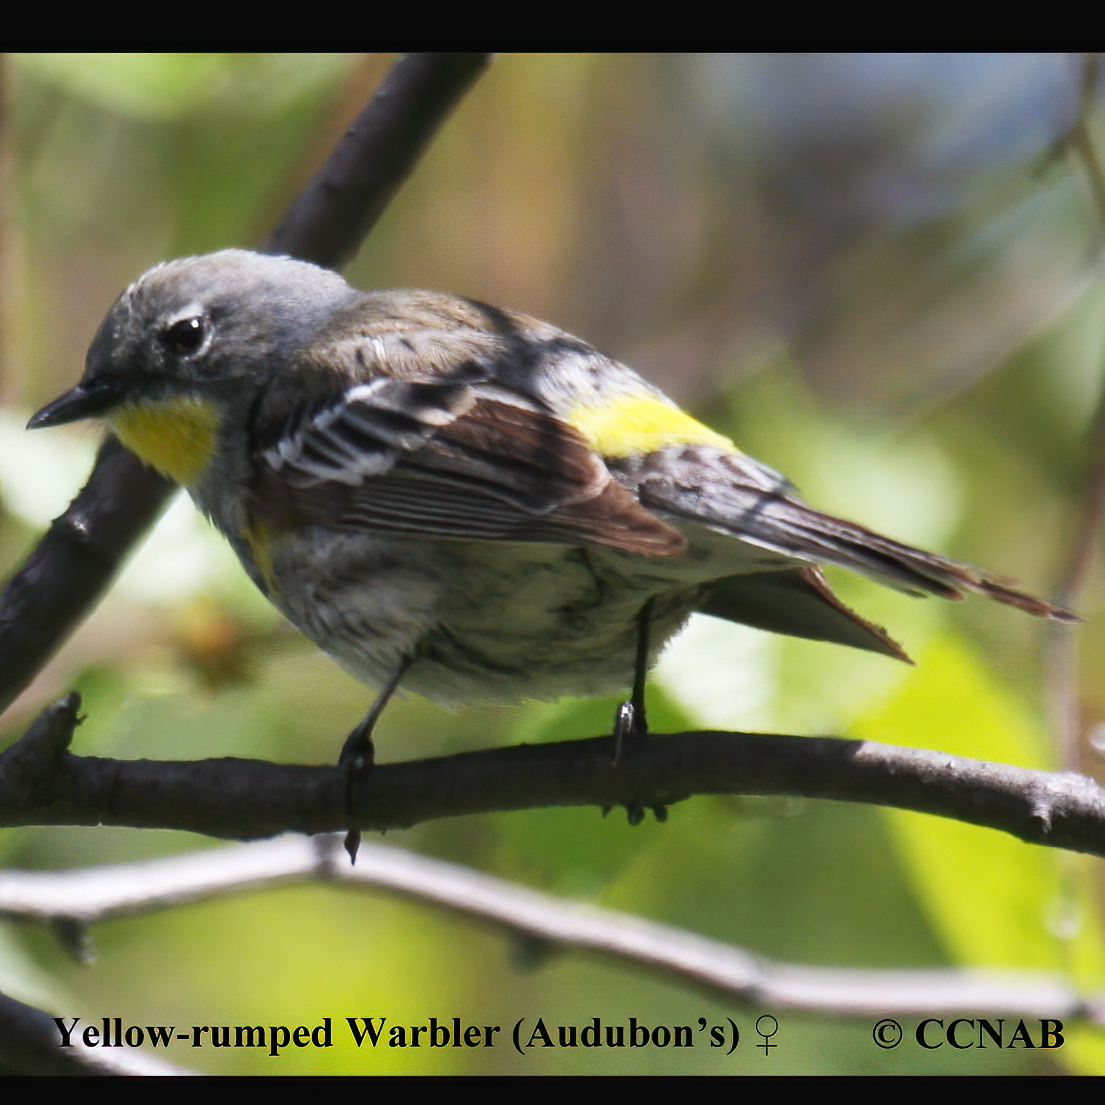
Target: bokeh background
879	274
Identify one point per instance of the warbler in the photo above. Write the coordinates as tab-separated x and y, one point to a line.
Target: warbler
462	497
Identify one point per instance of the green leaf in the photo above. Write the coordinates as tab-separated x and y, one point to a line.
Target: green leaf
991	899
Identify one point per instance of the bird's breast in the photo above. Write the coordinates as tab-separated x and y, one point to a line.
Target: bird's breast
486	621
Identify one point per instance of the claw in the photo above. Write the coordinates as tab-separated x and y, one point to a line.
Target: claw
358	755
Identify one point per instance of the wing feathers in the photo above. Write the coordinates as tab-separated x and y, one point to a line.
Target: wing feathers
452	460
462	456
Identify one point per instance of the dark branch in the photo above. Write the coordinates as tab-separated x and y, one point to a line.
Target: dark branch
73	563
378	152
29	1045
42	783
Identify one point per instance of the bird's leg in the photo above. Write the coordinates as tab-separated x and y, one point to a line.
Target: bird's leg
630	722
358	755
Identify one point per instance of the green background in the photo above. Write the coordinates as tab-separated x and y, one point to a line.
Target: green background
873	273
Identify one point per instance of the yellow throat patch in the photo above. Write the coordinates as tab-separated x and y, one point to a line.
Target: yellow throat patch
177	437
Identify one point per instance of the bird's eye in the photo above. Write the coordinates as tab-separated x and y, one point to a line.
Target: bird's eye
186	336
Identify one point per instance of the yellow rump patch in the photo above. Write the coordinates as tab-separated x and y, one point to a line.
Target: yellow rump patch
642	424
176	437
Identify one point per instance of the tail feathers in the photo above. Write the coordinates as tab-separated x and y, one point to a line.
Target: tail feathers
743	499
909	569
796	603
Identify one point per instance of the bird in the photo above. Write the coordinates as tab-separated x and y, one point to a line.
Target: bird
462	499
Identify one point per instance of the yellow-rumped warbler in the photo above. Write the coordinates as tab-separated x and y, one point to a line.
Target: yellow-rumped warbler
463	497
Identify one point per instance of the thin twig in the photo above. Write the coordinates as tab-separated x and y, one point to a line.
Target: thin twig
1061	660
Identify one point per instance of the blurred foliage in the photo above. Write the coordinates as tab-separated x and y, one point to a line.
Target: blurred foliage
876	273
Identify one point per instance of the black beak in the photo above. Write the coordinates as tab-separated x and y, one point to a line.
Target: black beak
83	401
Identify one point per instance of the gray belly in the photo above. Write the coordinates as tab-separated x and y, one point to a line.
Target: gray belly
486	621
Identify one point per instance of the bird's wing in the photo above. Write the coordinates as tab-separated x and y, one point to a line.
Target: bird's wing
450	458
739	497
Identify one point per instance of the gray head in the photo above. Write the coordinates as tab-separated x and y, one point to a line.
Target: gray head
200	326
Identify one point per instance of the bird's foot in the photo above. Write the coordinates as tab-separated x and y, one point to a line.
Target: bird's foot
630	727
630	731
356	761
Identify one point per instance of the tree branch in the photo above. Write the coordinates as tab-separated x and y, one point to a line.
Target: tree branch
42	783
74	562
338	208
67	899
29	1045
